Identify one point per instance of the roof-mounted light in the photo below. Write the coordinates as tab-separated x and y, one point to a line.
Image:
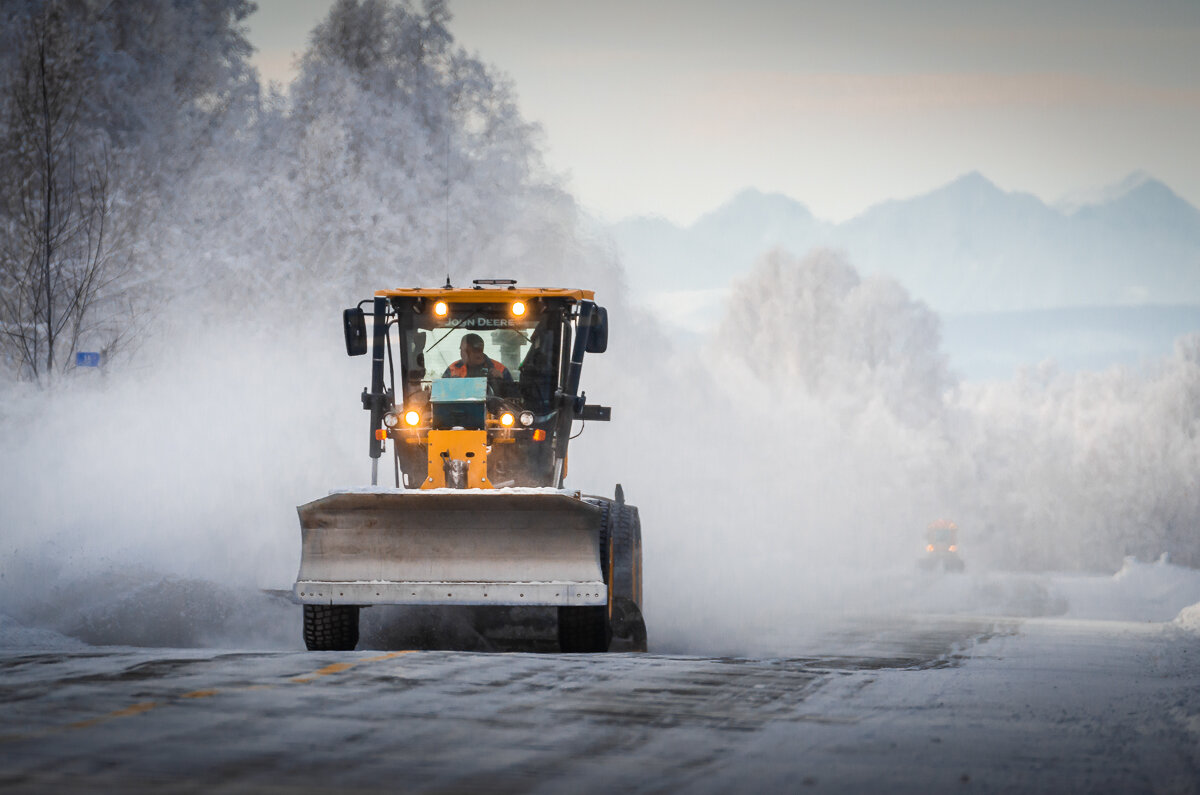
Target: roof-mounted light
518	308
440	309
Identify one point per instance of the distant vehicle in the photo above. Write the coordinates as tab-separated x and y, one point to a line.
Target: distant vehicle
941	547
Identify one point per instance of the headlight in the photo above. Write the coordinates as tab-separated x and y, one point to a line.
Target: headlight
953	547
518	308
527	418
506	419
440	309
929	548
412	418
391	420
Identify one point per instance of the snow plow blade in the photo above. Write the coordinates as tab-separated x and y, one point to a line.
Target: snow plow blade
450	547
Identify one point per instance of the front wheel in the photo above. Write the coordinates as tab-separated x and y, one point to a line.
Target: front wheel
331	627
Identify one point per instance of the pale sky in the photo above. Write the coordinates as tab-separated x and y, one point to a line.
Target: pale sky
670	107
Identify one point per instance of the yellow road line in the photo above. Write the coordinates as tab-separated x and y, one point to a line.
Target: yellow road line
136	709
337	668
388	656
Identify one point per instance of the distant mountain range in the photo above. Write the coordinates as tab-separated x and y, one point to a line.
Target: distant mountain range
966	247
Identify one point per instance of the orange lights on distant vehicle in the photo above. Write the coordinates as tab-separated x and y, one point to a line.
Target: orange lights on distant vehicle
539	435
954	547
518	308
929	548
507	419
440	309
412	418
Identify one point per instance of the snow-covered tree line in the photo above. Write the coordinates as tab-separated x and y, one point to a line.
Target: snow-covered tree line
1092	466
166	173
1047	471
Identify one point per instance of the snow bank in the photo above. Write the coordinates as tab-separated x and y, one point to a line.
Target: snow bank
1138	592
1189	618
15	635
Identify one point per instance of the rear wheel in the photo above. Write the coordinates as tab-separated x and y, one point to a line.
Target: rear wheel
331	627
626	614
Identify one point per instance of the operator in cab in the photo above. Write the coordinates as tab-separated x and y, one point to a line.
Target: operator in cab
475	363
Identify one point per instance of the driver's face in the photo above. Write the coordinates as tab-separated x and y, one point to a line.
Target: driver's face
470	357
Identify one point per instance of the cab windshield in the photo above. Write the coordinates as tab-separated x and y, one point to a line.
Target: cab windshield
506	347
519	356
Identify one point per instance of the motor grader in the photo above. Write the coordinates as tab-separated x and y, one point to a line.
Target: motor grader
474	392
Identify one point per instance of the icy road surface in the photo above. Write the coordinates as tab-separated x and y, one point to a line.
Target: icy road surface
943	704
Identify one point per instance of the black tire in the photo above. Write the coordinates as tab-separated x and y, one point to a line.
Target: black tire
331	627
626	614
586	630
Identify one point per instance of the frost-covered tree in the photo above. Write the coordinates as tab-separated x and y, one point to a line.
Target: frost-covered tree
1048	471
1078	470
174	78
396	157
102	106
57	260
813	324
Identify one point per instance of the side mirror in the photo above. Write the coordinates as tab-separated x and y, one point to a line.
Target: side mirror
598	338
354	323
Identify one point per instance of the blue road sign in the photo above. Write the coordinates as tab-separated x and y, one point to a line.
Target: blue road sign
87	359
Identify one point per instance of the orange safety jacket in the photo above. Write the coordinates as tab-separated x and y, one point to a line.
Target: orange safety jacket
459	370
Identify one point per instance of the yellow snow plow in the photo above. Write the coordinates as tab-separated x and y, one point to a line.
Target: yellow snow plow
474	391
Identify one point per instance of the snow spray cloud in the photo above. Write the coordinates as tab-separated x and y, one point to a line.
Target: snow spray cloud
786	471
163	497
786	466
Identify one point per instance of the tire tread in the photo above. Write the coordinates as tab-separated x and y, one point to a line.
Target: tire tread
330	627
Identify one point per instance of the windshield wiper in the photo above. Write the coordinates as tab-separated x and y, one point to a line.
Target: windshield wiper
453	328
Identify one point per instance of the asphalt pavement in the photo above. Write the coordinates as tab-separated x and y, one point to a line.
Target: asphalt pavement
882	704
